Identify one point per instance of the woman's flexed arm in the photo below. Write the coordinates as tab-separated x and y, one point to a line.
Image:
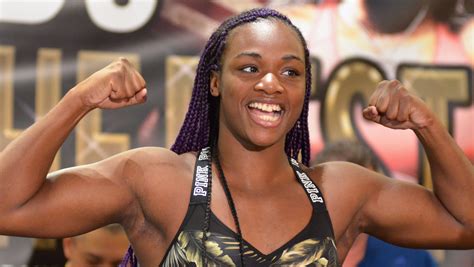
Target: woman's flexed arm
25	162
444	217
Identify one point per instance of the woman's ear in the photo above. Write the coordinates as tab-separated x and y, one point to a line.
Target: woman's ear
214	86
68	244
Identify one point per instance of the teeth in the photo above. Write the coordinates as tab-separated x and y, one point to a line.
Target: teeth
268	118
265	107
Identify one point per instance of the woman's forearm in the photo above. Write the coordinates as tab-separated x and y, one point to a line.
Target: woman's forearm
25	162
451	171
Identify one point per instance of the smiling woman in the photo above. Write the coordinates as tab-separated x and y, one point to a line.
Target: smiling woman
258	88
247	126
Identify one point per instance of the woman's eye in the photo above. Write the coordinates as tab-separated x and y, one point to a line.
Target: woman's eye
291	73
250	69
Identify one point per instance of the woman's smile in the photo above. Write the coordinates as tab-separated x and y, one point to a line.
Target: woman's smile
265	114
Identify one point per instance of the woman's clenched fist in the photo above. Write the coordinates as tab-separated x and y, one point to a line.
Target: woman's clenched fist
115	86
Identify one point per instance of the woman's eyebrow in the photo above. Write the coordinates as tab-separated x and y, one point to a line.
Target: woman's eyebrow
249	54
258	56
291	57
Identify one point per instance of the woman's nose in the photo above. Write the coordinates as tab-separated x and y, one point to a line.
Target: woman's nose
269	84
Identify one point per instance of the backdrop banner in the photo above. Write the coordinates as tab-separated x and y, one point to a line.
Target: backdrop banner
48	46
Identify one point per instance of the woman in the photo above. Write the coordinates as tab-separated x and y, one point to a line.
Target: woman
247	115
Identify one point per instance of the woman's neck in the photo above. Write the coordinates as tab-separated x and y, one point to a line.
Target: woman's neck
252	168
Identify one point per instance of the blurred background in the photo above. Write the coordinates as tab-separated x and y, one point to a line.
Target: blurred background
47	46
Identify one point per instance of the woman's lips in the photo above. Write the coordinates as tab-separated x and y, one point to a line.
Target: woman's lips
265	118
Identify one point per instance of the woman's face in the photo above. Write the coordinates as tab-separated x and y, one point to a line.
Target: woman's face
261	83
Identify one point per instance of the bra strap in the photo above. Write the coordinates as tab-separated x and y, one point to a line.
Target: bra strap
313	192
202	174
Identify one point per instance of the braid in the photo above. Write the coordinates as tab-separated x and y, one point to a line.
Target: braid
230	201
207	215
130	259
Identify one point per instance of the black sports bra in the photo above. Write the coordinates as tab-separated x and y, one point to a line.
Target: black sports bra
312	246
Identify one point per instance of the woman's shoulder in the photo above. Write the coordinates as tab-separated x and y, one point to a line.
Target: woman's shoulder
159	157
146	167
339	170
339	177
159	175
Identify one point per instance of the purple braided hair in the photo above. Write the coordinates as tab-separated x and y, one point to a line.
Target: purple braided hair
199	127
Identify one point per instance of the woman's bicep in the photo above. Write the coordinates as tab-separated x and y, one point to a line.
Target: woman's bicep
409	215
74	201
